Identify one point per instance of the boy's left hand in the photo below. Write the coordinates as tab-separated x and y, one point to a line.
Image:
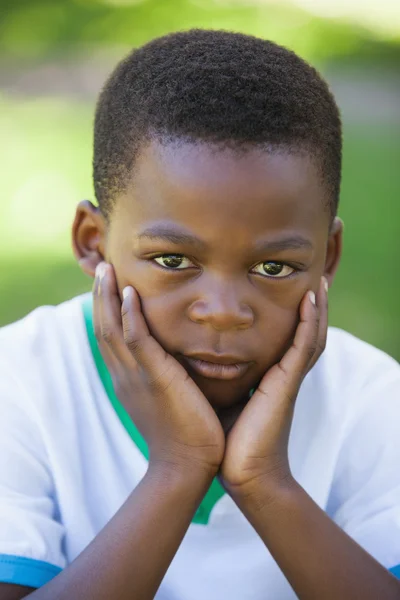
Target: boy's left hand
256	451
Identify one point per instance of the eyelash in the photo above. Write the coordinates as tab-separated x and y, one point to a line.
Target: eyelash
171	269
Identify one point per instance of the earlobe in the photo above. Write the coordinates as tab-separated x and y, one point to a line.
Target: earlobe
88	236
334	250
88	264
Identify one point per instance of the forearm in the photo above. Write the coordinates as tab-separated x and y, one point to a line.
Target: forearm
318	559
129	557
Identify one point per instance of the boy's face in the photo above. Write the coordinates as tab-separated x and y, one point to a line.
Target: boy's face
221	248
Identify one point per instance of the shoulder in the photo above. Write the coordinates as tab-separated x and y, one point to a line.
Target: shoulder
352	378
39	350
364	494
351	363
36	334
38	327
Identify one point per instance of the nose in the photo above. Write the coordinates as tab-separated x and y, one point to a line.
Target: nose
221	307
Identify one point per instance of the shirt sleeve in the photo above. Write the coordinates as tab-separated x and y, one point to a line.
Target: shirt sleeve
31	535
365	496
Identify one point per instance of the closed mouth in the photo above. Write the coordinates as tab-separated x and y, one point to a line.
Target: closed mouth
222	367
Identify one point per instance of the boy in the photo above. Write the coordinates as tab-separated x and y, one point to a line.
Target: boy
173	434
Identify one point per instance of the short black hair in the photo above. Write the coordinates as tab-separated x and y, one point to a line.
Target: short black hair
218	87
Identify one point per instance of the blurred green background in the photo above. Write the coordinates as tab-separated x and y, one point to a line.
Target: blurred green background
54	58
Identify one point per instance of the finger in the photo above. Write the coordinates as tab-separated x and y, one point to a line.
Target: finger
104	351
96	307
322	303
294	363
144	348
107	320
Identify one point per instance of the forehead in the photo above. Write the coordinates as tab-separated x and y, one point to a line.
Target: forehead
203	186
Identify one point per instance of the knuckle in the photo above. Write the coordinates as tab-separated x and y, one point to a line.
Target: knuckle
285	374
124	312
312	348
132	341
310	353
108	335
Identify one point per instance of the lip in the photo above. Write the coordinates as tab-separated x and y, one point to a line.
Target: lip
217	367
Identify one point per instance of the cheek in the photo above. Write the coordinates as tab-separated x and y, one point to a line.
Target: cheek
163	318
288	326
276	321
279	317
276	333
159	308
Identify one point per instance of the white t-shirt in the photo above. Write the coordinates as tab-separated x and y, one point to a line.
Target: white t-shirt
69	458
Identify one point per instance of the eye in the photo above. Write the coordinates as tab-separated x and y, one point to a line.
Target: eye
273	269
173	261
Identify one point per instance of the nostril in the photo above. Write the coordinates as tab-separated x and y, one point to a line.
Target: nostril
221	316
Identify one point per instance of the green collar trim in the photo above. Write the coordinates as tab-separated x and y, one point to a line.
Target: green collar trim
215	491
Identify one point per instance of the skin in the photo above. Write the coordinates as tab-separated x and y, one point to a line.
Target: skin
146	318
231	204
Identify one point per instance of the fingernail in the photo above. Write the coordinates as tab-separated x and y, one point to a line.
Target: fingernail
312	296
326	285
126	292
100	271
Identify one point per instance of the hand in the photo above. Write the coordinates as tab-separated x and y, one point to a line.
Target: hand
165	404
257	444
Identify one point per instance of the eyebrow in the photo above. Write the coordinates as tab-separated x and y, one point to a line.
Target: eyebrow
168	234
292	242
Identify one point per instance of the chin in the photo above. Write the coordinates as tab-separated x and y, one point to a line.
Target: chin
224	394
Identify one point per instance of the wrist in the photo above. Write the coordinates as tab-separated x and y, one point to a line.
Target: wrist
180	484
191	462
264	490
183	470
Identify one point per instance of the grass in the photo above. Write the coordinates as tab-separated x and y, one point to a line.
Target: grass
46	160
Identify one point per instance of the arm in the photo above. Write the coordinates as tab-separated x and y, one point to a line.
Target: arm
8	591
317	557
129	557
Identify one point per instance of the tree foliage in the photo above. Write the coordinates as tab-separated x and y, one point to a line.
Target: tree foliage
35	29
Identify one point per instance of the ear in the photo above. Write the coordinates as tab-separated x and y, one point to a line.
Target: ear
89	236
334	250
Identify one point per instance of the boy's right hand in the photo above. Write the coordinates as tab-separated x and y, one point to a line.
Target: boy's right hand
176	420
